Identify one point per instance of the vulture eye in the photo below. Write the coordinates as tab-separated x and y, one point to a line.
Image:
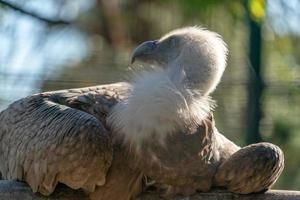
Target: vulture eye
172	41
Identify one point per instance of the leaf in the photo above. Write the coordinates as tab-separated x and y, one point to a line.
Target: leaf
257	10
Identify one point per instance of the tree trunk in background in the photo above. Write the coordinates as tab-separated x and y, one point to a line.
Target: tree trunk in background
255	80
114	23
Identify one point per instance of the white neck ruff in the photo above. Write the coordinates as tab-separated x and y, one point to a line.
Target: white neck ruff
157	107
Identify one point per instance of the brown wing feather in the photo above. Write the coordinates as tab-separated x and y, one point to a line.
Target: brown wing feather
44	142
97	100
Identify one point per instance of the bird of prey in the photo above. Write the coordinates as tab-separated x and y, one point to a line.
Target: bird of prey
105	139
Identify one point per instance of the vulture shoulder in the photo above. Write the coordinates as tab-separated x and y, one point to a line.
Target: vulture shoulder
59	136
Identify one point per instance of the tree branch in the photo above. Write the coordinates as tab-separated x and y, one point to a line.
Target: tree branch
32	14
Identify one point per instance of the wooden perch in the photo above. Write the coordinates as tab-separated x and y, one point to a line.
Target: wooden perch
20	191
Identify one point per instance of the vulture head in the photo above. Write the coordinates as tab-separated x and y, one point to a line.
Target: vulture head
175	95
194	57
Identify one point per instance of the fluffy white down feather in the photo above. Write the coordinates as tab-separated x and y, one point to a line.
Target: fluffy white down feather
156	108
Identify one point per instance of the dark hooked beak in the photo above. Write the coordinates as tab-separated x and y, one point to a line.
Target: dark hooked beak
143	51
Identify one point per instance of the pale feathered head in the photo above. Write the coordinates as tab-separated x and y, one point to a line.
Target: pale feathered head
174	98
193	56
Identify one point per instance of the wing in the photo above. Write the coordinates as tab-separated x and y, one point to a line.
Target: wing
97	100
59	137
254	168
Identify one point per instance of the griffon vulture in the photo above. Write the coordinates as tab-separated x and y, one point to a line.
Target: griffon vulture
105	139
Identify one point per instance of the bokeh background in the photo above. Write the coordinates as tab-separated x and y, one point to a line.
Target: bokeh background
59	44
